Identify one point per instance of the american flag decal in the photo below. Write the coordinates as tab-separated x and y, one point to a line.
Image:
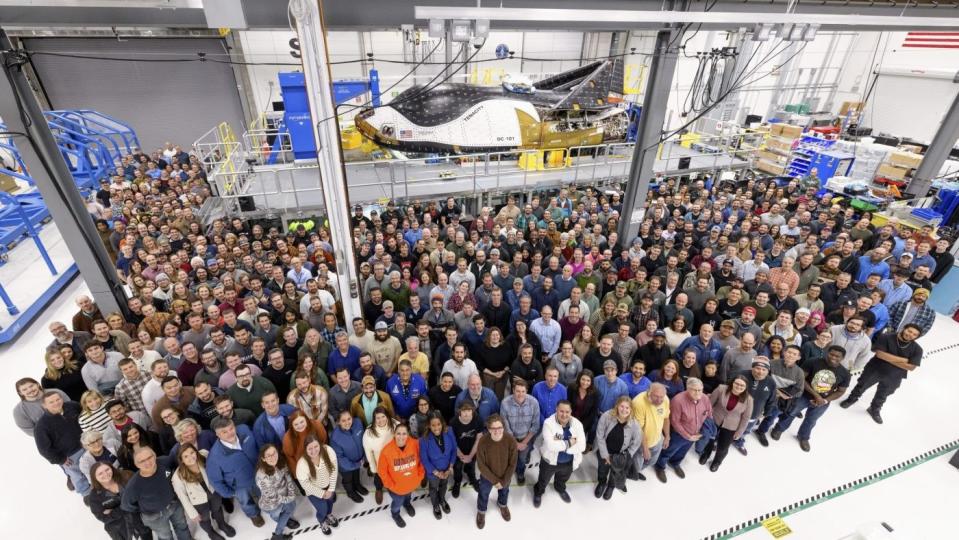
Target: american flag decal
932	40
406	133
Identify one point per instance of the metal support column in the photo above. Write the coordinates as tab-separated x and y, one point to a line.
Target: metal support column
938	151
785	70
662	67
316	69
21	113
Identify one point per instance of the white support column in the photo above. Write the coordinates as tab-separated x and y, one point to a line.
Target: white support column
316	68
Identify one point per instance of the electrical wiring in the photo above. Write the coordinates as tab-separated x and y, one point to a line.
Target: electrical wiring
424	88
739	83
207	57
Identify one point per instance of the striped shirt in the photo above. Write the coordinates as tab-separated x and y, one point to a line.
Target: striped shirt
97	420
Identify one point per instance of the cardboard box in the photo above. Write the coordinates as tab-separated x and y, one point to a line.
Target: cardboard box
8	184
772	157
850	106
772	168
779	145
776	130
915	149
791	131
893	172
908	160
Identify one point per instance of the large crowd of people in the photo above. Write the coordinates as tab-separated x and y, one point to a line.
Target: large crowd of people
233	384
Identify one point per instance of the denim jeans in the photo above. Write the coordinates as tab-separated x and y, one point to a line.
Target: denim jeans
639	463
673	456
741	442
322	506
247	503
160	522
397	502
80	483
779	407
813	414
281	515
523	458
482	497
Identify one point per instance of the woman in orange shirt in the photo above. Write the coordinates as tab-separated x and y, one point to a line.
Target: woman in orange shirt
401	470
294	441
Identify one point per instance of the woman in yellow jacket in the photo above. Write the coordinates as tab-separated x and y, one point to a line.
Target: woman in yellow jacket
317	472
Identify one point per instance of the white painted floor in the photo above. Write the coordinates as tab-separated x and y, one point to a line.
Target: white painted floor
846	445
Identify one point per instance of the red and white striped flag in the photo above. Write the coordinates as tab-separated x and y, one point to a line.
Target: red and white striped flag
932	40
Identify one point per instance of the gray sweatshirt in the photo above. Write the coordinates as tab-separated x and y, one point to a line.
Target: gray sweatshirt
734	361
26	414
789	380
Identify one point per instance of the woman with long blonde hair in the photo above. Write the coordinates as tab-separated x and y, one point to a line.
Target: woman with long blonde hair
200	501
63	374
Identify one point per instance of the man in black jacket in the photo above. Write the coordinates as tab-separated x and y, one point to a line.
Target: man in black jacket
497	313
57	435
763	390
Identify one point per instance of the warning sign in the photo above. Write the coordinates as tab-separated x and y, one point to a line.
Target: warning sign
777	527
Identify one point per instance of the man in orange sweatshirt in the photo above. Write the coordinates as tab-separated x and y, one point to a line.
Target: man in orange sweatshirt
402	471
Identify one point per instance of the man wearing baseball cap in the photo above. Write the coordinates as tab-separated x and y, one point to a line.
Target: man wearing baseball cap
763	390
745	325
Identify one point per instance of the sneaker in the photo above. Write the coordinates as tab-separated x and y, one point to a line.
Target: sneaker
875	415
257	520
565	496
762	438
409	509
537	500
326	529
454	491
504	512
480	520
445	507
332	520
290	524
398	519
660	474
437	512
775	434
679	471
804	444
846	403
600	488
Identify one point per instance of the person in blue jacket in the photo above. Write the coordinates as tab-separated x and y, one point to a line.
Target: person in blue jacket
481	397
404	387
438	454
231	465
706	347
271	425
347	441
